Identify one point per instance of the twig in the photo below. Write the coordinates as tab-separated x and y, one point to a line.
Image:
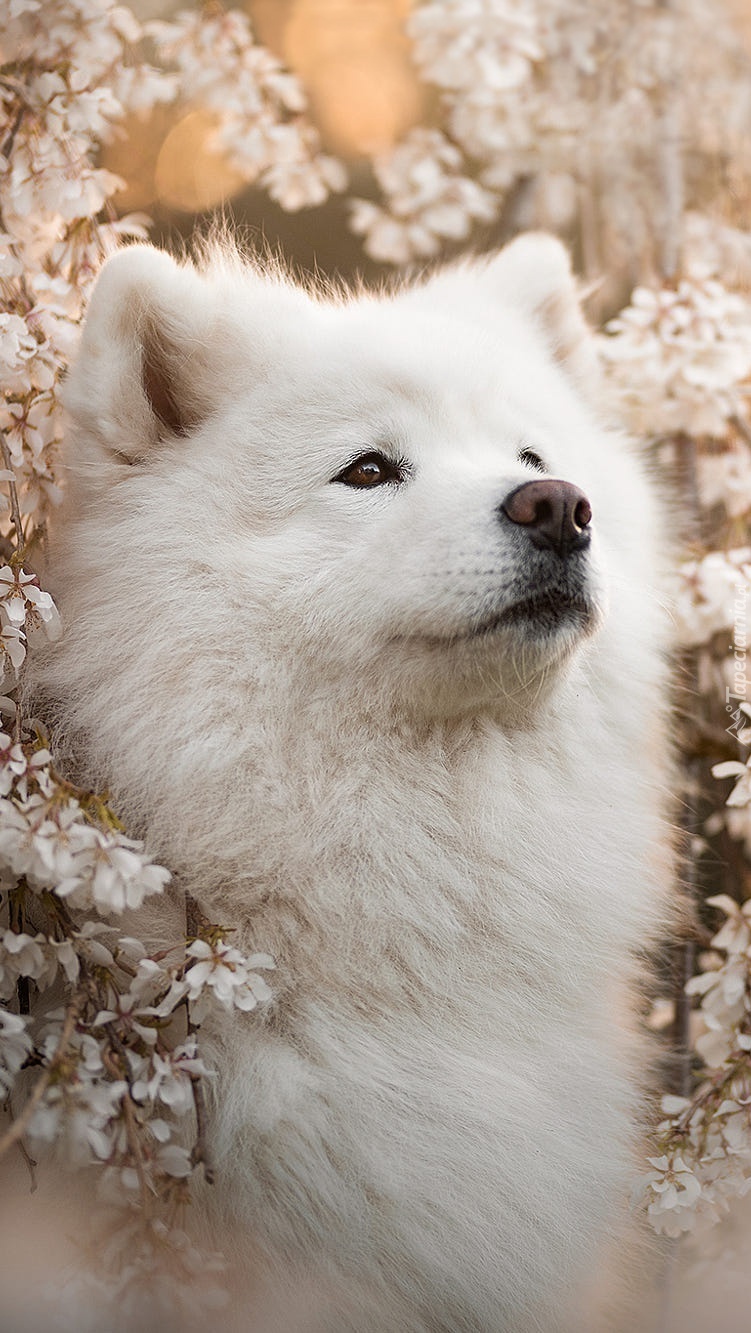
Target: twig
131	1130
684	951
741	426
30	1162
15	510
670	151
195	921
20	1124
10	138
201	1151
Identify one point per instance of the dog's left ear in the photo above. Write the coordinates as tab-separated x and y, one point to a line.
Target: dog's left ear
533	275
157	357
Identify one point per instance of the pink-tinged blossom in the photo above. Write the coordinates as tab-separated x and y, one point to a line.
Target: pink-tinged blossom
680	358
261	107
482	55
167	1078
429	198
713	593
15	1047
462	45
741	793
673	1191
227	973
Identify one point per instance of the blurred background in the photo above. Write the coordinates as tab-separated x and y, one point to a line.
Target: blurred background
593	169
364	92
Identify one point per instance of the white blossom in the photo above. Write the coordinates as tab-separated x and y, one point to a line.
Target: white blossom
429	199
223	970
110	872
725	478
714	592
680	358
23	603
15	1047
674	1191
462	45
482	55
168	1078
20	956
724	990
263	128
741	793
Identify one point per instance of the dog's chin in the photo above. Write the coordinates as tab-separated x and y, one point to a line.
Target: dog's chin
507	659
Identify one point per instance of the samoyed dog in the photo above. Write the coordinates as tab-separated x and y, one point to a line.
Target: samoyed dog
366	640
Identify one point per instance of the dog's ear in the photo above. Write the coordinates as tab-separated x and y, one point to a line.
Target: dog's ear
533	275
152	364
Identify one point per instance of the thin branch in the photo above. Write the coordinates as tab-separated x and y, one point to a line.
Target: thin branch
684	950
134	1143
15	509
195	921
201	1151
742	427
31	1164
671	167
10	138
20	1124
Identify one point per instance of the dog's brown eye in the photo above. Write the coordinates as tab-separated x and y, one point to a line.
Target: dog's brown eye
370	470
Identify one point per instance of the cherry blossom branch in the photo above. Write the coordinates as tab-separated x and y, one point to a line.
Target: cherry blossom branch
16	1131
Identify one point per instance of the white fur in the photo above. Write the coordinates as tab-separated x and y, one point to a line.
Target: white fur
453	846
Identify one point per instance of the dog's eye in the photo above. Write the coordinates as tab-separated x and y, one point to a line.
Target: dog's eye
370	470
532	459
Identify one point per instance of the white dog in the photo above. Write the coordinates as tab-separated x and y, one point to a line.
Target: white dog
365	643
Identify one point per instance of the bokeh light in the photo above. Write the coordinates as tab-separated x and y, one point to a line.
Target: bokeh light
352	57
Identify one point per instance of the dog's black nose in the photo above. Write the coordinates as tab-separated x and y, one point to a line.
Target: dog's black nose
555	514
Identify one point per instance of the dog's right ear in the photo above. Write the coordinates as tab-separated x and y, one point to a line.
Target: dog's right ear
152	364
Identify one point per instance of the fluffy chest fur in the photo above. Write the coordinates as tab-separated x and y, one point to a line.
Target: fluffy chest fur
443	1094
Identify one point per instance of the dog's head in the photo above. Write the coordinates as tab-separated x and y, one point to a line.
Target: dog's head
402	495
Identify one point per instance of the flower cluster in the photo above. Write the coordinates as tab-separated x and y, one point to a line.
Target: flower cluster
713	592
64	79
704	1161
561	110
430	200
723	477
680	358
24	607
94	1058
116	1083
482	55
480	45
51	840
262	125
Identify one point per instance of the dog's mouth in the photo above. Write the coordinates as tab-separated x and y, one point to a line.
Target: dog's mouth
542	618
542	613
